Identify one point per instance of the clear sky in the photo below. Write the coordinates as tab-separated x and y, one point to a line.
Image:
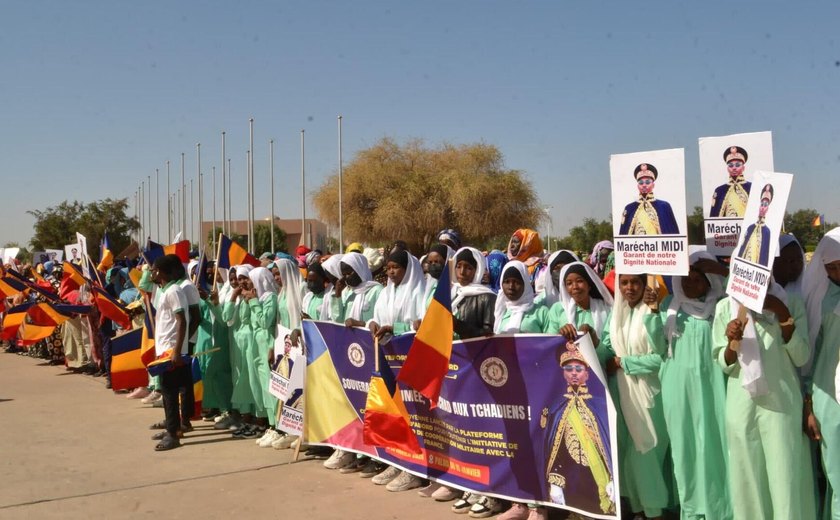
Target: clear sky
95	95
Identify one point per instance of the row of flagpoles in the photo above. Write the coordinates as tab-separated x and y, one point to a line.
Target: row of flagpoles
181	217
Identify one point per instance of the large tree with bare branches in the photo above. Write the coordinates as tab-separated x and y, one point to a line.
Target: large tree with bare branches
412	191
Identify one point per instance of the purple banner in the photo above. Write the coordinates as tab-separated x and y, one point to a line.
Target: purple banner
520	417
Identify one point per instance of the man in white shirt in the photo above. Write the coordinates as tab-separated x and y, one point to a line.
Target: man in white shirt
171	340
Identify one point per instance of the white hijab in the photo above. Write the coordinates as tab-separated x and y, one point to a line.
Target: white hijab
815	285
795	286
459	292
332	265
550	291
263	282
359	264
701	309
402	303
517	308
637	392
291	290
243	270
600	308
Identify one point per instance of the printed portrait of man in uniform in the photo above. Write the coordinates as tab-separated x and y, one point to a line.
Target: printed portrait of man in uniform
756	246
648	215
730	199
577	440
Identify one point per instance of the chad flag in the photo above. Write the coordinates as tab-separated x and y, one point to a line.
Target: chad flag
387	424
180	248
127	369
71	279
231	253
10	286
427	362
111	308
106	256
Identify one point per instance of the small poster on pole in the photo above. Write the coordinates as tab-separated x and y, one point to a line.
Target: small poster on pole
727	166
758	244
649	217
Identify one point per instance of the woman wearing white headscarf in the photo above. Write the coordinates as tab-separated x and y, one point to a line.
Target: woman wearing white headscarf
548	292
516	310
263	323
358	299
584	304
437	260
473	303
770	470
694	391
789	266
822	403
243	348
634	344
400	303
332	266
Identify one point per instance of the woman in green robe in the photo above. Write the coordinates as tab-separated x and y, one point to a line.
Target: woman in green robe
634	344
515	310
358	300
822	402
694	392
243	347
264	324
770	473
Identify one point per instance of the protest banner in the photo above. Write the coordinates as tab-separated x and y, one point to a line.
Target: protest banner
727	166
649	228
758	245
508	420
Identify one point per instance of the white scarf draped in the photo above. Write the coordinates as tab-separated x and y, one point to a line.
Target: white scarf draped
815	286
637	392
550	291
517	308
701	309
402	303
263	282
459	292
359	264
750	351
291	290
600	308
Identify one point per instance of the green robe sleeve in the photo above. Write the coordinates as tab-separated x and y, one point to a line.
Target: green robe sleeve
648	363
798	348
719	340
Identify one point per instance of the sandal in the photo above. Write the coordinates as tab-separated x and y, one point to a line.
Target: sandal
158	426
160	435
167	443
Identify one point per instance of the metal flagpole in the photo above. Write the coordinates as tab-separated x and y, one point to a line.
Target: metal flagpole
149	206
200	195
213	233
157	203
302	187
248	207
271	168
251	179
340	193
183	211
224	193
168	206
192	217
143	209
229	201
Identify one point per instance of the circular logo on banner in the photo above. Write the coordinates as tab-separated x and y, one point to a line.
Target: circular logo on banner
356	355
493	371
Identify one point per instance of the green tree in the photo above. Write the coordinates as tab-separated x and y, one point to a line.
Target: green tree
583	238
57	226
801	224
262	239
696	228
412	191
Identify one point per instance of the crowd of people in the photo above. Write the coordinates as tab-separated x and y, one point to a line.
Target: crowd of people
701	429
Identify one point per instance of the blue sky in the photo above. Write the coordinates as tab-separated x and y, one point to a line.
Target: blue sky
95	95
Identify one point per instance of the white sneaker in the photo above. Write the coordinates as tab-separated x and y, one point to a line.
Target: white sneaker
386	476
267	440
445	494
339	459
463	504
152	397
486	507
427	491
284	442
404	482
141	392
224	421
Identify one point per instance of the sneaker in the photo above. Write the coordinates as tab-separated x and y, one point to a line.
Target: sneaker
248	431
138	393
158	403
283	442
296	442
404	482
269	438
371	469
226	421
152	397
517	511
463	504
386	476
355	466
541	513
209	416
445	494
339	459
486	507
427	491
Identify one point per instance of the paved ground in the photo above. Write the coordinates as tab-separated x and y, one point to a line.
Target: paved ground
72	449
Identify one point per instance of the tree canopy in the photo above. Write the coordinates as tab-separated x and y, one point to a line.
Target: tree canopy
57	226
412	191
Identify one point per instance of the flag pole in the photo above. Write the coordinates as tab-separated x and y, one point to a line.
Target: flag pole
200	194
271	168
157	203
168	205
149	205
251	175
183	210
229	201
213	233
303	187
248	207
216	270
224	192
340	192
